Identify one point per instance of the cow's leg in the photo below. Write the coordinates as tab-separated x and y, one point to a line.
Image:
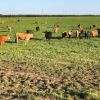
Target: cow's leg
16	40
1	43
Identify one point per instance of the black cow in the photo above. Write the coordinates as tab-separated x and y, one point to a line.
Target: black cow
48	35
37	28
87	34
64	34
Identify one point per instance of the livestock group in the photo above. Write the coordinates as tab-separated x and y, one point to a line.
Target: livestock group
79	33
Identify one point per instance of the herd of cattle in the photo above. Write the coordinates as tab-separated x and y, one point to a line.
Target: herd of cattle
48	34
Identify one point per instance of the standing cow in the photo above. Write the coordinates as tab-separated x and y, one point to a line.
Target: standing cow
64	34
4	38
94	33
69	34
23	36
48	35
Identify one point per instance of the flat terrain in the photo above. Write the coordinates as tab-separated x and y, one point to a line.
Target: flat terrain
58	69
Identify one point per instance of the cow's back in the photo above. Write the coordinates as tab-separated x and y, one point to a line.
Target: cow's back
4	37
24	36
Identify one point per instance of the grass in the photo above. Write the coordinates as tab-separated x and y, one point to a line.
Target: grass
52	65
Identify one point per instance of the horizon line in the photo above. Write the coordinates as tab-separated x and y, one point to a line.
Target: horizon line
54	14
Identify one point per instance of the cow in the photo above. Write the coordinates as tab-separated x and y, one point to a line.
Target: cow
23	36
48	35
64	34
94	26
79	32
79	26
94	33
37	28
9	28
87	34
4	38
69	34
56	28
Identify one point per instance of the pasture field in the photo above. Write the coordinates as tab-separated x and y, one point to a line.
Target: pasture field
59	69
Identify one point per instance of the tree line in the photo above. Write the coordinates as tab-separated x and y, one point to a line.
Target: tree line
27	15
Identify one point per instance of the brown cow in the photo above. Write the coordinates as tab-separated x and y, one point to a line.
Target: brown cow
23	36
4	38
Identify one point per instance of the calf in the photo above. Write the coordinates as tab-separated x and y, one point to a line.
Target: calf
4	38
23	36
48	35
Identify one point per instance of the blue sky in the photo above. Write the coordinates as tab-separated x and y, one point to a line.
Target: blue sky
50	7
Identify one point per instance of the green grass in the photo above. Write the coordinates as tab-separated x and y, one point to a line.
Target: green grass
73	63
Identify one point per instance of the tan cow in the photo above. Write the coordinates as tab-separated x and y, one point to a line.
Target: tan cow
4	38
56	28
79	32
23	36
94	33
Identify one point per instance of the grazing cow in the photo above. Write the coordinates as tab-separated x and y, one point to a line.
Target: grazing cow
79	26
37	28
23	36
9	28
4	38
94	33
64	34
90	27
56	28
94	26
48	35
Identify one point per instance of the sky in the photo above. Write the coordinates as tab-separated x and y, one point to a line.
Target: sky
62	7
